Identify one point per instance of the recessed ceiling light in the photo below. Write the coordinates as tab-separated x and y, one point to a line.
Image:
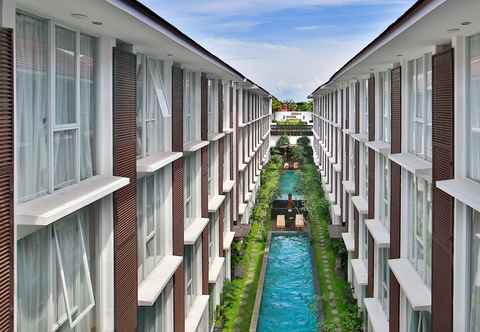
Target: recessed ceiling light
466	23
97	23
399	55
169	55
79	15
453	30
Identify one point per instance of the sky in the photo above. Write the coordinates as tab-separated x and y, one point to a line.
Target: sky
289	47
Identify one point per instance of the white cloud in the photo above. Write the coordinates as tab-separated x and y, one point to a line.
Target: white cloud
287	71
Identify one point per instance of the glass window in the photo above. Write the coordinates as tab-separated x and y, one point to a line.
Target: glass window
211	238
474	317
189	283
420	230
159	317
385	98
420	104
418	321
151	208
384	278
55	145
226	158
59	261
473	117
365	243
365	175
365	106
189	189
211	168
212	106
152	106
385	191
189	102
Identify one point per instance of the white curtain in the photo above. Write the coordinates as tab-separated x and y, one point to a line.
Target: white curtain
39	278
31	98
475	275
87	106
474	144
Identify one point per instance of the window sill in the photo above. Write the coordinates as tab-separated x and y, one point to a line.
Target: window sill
196	312
228	131
349	186
194	146
265	136
376	315
332	160
412	285
50	208
227	240
215	202
360	271
228	186
315	135
157	161
379	146
331	197
216	137
348	131
193	232
242	207
215	269
349	242
360	204
336	211
464	190
379	232
360	137
151	288
242	125
413	164
242	167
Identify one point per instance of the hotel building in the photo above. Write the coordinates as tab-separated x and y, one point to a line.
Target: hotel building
396	140
128	155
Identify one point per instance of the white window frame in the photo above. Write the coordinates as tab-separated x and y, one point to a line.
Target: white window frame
384	280
385	191
212	107
423	318
472	132
53	127
422	149
420	228
364	102
190	187
365	168
385	90
189	103
190	289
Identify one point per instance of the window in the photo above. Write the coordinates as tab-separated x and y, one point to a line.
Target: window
384	278
152	107
420	230
190	165
226	158
473	116
153	214
365	174
352	159
189	103
55	136
385	191
385	97
418	321
211	168
420	104
474	317
212	106
190	290
352	105
55	272
365	242
226	217
211	238
364	101
159	317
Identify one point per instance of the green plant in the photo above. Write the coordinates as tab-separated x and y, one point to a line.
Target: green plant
283	141
303	141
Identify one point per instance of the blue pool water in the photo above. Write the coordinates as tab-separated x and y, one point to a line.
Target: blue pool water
289	302
288	184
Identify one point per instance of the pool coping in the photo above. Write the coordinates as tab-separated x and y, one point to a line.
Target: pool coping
261	281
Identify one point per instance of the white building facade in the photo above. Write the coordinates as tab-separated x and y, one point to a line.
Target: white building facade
395	143
121	168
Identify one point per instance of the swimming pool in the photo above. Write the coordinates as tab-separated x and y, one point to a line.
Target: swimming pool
289	301
289	184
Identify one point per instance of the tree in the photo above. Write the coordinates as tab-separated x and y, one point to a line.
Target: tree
305	106
276	105
303	141
283	140
297	153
